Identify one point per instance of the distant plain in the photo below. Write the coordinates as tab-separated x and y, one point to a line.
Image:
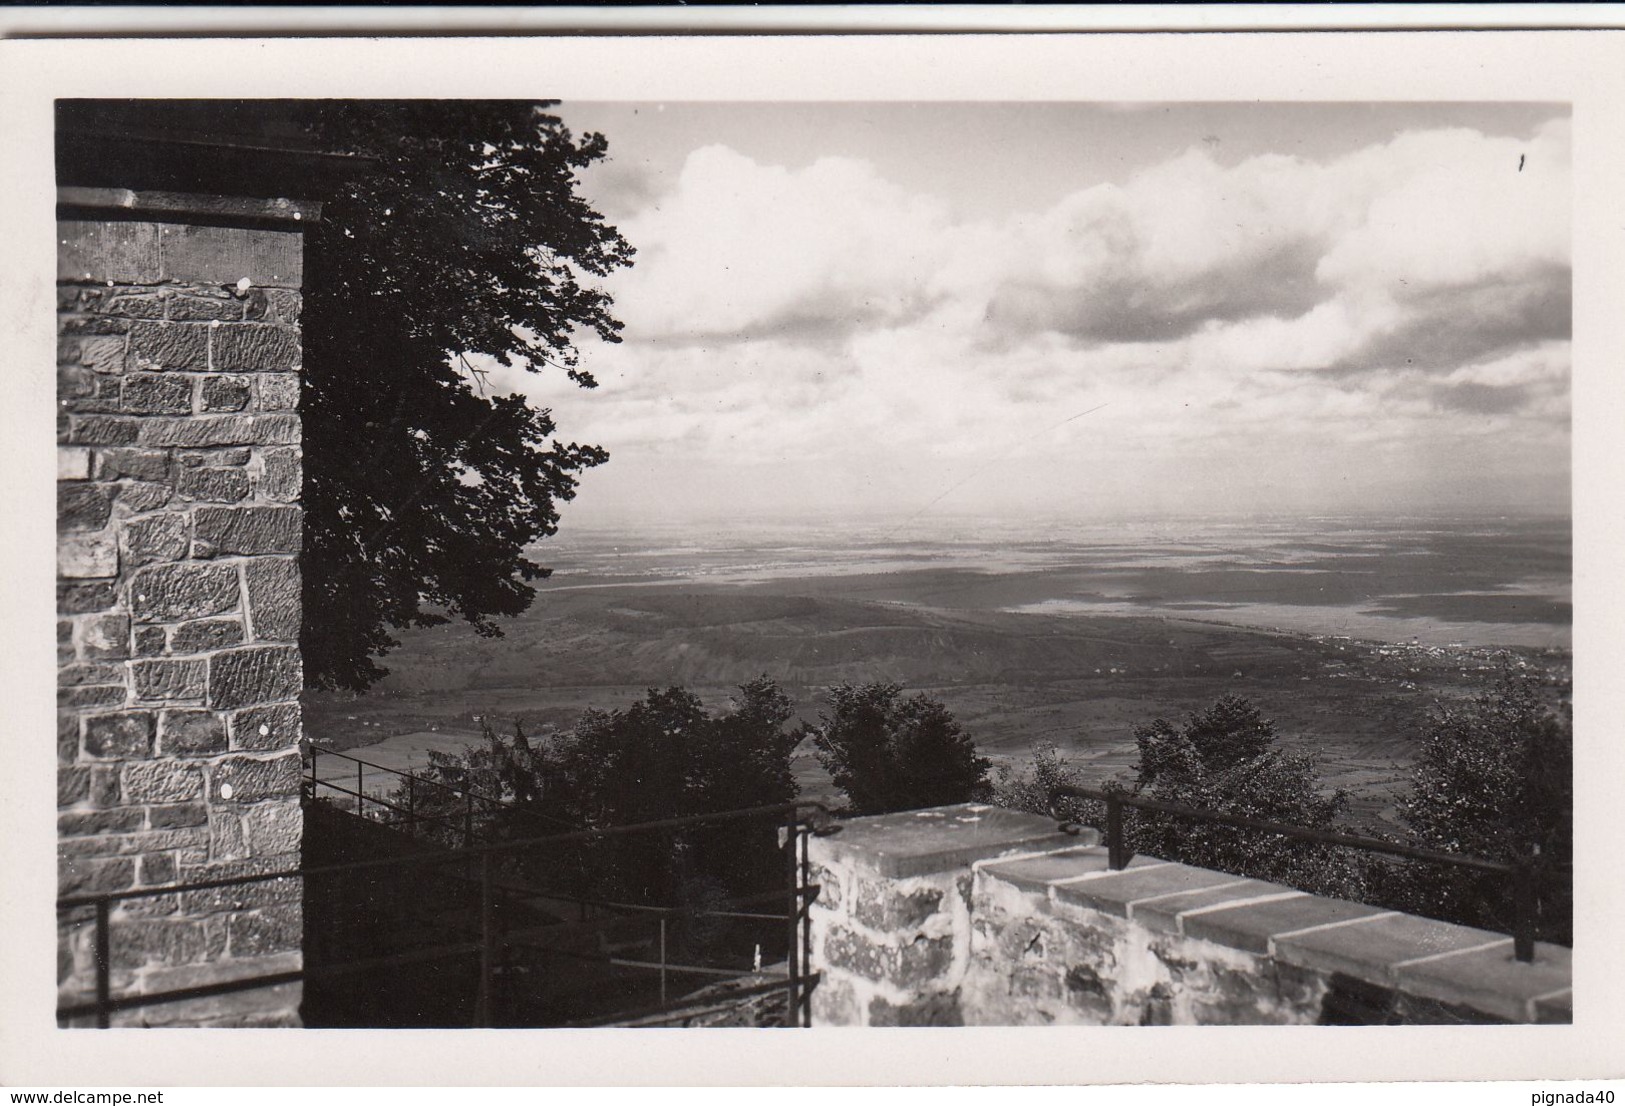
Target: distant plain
1343	630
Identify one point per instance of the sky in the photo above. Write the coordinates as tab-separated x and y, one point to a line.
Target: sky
900	311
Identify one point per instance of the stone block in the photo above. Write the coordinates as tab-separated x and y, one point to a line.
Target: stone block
227	841
200	431
67	737
254	676
250	530
177	816
137	464
273	598
1252	927
217	255
274	827
270	930
140	495
82	506
86	557
156	347
157	394
256	347
252	779
155	869
940	839
280	392
266	728
879	905
156	538
134	305
1120	892
108	695
84	875
72	463
105	637
205	307
92	823
169	679
122	735
103	355
212	485
145	941
224	393
1164	914
906	965
190	733
103	430
94	251
106	788
171	592
162	781
1491	979
1369	950
216	458
83	675
150	641
205	635
283	475
936	1009
85	598
72	784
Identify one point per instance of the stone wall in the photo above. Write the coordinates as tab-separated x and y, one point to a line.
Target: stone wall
178	534
972	915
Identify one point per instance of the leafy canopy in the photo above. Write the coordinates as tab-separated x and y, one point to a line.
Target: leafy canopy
665	756
889	753
422	493
1495	779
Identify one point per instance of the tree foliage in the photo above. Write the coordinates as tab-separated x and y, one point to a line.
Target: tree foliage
467	236
1495	779
889	753
665	756
1226	758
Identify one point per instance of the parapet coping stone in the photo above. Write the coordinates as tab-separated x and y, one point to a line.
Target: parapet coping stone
940	839
1418	956
188	205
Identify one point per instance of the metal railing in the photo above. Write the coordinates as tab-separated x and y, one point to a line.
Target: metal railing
1525	896
412	814
489	941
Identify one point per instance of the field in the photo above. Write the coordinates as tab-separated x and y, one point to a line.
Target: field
1023	654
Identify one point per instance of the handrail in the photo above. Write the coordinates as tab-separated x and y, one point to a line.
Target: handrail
1118	853
795	893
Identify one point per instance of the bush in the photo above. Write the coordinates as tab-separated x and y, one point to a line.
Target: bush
887	753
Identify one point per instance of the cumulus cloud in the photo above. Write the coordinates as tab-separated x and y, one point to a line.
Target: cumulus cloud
1410	290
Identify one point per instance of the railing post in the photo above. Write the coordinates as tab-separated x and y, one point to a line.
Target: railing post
662	960
104	966
792	967
360	789
468	819
1116	849
411	815
482	1009
804	914
1525	907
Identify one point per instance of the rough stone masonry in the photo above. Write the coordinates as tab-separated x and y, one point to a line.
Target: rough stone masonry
178	593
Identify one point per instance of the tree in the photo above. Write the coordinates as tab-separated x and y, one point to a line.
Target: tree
665	756
1495	779
887	753
1225	759
422	493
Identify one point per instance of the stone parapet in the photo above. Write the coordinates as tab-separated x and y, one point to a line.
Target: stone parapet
178	536
972	915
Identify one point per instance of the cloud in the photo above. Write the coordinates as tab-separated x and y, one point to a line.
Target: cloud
822	319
